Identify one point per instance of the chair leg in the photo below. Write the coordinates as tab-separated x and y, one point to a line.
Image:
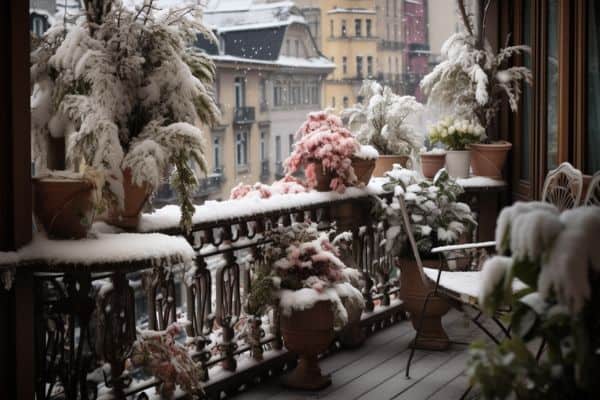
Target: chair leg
504	329
419	326
484	329
540	350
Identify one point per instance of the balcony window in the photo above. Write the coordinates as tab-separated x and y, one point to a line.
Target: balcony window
217	163
240	92
359	66
241	149
552	82
369	66
344	65
333	102
264	145
278	149
331	28
345	100
297	48
38	25
358	27
344	32
368	26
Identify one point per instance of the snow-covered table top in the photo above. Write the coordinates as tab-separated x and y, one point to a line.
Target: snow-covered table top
211	211
480	182
103	252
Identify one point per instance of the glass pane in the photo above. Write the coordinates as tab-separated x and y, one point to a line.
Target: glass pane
552	84
592	150
524	155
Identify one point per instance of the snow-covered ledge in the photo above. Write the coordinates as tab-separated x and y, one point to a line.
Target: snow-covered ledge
213	211
106	249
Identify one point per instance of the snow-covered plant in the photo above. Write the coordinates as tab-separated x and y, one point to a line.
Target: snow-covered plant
456	134
383	120
159	354
557	256
437	217
472	80
127	89
301	266
322	139
286	185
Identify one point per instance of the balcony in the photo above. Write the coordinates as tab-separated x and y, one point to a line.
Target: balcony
390	45
244	115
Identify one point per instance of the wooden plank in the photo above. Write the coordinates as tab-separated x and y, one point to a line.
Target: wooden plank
453	389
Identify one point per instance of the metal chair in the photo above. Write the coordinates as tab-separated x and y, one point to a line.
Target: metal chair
459	287
563	187
592	198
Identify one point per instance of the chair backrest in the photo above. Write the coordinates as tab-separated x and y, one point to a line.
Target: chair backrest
592	198
563	187
411	239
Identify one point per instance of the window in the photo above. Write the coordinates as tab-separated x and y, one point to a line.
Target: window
296	94
291	142
288	47
527	96
217	165
592	141
297	46
241	149
315	94
368	26
344	28
240	92
277	149
331	27
395	32
395	8
345	100
387	36
264	145
359	99
38	25
359	66
387	8
397	66
390	65
277	96
344	65
263	91
358	27
369	66
333	102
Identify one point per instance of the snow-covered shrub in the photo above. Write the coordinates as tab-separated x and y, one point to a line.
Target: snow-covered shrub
159	354
437	217
127	89
558	257
301	266
456	134
286	185
383	120
472	80
323	138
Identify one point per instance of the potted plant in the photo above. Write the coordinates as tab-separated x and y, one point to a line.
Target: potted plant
432	161
437	218
457	135
383	120
364	162
473	81
556	255
324	148
126	89
302	275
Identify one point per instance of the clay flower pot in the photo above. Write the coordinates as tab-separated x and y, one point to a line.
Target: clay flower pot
458	162
65	207
431	163
386	163
135	200
363	169
323	177
413	292
308	333
489	159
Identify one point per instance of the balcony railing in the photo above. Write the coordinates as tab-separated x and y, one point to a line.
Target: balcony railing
244	115
209	298
207	186
390	45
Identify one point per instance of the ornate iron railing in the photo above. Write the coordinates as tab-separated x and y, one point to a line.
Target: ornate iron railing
86	318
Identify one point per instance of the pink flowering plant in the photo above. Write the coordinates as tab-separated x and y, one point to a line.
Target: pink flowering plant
286	185
159	354
323	140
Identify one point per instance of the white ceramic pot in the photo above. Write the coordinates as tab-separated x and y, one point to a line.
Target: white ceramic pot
458	162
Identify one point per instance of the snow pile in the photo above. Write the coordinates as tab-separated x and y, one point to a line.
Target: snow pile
367	152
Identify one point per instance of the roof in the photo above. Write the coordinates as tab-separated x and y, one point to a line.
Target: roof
228	15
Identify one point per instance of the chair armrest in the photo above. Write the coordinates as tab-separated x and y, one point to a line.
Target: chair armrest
465	246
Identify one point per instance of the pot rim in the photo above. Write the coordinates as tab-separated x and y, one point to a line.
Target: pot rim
496	146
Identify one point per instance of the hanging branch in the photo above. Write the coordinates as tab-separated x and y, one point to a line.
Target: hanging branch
465	16
482	21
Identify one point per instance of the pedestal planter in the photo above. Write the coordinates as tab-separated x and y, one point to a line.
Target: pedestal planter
386	163
431	163
413	292
64	206
363	169
308	333
458	162
489	159
135	200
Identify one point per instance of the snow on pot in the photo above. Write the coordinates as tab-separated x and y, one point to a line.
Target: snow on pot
458	163
363	162
432	161
489	159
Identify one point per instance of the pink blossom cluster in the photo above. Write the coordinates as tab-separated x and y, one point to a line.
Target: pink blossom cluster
323	140
158	353
286	185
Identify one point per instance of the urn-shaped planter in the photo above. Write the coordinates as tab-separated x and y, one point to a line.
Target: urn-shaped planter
308	333
489	159
413	292
458	162
386	163
322	176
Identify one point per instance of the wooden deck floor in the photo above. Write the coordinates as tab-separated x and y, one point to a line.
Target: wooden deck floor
375	371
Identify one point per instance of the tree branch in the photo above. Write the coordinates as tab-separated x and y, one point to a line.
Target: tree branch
465	16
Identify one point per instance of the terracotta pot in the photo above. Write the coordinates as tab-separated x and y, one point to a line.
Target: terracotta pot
431	163
352	335
308	333
135	200
323	177
363	169
489	159
386	163
65	207
458	162
413	292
